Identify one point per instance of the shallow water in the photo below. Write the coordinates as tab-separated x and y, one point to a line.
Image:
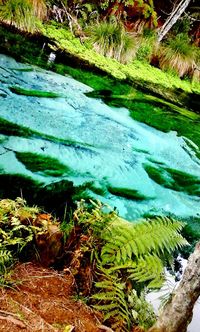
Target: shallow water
100	149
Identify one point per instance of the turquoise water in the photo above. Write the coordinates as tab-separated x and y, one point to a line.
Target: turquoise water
100	150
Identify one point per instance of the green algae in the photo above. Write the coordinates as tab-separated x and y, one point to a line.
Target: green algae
174	179
88	190
29	69
33	93
42	163
12	129
151	110
164	117
185	180
140	150
127	193
158	175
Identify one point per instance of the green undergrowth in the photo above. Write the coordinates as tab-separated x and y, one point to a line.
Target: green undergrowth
136	70
121	259
23	47
15	235
111	260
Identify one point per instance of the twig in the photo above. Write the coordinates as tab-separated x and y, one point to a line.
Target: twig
9	317
105	328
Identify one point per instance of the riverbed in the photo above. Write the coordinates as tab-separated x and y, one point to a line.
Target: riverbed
57	138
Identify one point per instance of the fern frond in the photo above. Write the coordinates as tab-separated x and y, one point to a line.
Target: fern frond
129	241
6	259
148	268
112	300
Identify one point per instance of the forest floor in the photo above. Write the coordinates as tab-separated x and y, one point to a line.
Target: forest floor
44	300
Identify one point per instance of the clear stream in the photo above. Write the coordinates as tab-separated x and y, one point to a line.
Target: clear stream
65	138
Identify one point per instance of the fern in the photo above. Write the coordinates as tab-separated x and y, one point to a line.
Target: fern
14	235
148	268
127	256
129	241
112	301
6	260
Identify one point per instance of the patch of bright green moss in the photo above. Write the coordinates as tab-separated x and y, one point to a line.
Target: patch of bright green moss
33	93
136	70
42	163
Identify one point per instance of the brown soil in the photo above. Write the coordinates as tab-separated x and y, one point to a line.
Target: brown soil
43	301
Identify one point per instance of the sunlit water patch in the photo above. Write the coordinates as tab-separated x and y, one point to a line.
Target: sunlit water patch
51	132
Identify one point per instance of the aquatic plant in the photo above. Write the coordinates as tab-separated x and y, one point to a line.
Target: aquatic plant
33	93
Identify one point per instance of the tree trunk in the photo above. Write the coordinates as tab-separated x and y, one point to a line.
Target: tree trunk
177	314
173	18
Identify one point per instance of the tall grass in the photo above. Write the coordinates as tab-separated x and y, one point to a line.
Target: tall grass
179	55
22	13
111	40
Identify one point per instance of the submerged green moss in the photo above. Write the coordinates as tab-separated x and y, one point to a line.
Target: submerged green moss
13	129
33	93
163	117
42	163
184	180
127	193
174	179
29	69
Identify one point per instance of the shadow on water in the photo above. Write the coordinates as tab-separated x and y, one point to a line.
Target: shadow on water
53	197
